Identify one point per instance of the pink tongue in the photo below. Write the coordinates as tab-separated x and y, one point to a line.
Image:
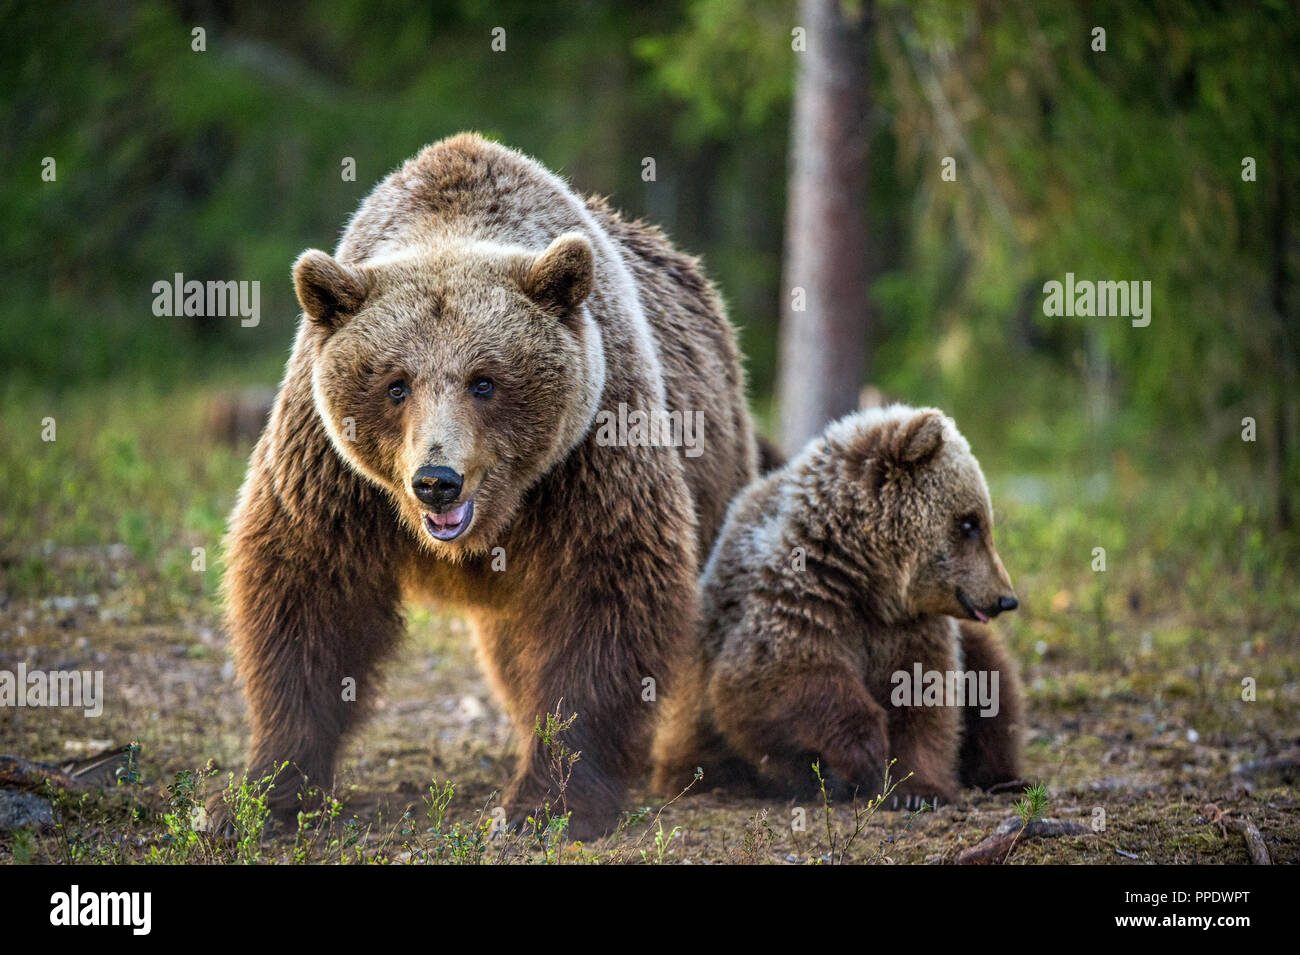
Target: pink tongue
452	517
983	618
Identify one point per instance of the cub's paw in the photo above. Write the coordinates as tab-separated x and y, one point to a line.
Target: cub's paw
914	802
915	794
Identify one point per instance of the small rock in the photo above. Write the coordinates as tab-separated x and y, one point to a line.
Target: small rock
18	810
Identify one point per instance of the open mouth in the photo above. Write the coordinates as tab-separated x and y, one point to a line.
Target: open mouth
971	609
450	524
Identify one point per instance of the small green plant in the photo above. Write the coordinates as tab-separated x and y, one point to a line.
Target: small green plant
549	823
662	841
181	838
1033	805
128	774
250	808
1029	807
757	839
24	848
862	815
316	834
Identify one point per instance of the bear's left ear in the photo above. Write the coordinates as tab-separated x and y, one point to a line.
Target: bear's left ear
561	278
917	440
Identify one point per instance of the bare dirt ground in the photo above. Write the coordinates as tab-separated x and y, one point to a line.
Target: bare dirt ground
1136	755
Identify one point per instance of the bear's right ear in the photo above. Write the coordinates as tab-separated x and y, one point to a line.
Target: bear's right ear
329	291
917	440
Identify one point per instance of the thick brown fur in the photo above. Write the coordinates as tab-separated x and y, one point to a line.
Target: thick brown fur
830	575
578	567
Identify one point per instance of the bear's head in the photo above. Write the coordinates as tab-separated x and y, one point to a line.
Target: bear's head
455	376
916	508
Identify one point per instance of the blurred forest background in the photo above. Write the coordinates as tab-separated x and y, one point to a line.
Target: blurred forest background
1123	164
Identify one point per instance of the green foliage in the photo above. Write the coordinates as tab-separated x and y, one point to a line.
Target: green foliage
181	841
1033	805
1117	164
248	803
1123	164
662	843
837	845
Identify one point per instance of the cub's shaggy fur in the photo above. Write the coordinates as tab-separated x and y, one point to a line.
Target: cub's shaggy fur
830	575
434	437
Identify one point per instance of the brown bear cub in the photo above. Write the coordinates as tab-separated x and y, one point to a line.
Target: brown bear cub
438	435
827	627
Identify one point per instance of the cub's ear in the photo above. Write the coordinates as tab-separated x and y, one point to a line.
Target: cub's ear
329	291
917	440
561	278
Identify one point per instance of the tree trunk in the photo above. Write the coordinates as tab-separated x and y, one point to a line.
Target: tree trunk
824	324
1283	469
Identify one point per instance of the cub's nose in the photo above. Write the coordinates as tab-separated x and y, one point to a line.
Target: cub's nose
1007	603
437	487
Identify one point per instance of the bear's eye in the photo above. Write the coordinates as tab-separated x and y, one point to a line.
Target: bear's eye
398	391
969	526
481	387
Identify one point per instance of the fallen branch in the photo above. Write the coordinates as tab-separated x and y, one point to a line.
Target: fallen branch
1287	764
997	847
1248	831
92	771
1254	841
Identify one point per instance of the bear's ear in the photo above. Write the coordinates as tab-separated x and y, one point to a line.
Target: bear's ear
329	291
918	440
561	278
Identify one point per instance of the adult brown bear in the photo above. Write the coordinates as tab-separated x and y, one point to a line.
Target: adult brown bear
435	435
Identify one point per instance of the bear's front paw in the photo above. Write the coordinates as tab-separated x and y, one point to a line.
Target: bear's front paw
913	794
218	822
581	826
857	755
914	802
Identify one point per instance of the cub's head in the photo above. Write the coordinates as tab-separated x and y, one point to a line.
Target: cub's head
455	377
919	503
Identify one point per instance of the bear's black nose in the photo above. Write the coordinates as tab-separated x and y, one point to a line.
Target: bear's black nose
1007	603
437	487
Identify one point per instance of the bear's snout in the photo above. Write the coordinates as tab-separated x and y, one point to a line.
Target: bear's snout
437	487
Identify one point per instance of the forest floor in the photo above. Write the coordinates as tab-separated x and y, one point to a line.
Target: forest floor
1140	726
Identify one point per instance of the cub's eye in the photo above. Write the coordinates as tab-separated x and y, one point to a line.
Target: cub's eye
969	526
482	387
398	391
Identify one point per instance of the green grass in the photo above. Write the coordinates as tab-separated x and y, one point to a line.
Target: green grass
129	470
